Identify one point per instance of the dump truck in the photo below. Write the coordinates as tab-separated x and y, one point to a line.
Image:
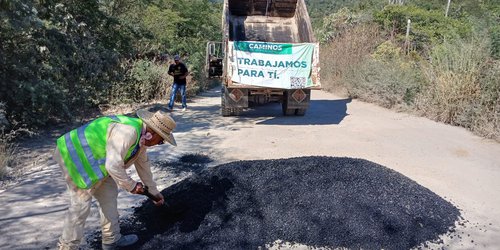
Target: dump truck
268	53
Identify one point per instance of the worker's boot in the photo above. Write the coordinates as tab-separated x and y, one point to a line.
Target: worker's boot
125	240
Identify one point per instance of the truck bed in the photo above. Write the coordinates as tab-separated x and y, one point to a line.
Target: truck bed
285	21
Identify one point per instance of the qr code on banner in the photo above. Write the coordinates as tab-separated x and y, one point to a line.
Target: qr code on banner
297	82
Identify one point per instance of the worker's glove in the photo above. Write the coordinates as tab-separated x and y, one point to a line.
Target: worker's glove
138	189
159	200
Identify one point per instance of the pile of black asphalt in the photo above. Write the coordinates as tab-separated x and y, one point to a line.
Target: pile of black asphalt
316	201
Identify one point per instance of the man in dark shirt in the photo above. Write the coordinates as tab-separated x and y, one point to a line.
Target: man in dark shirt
179	71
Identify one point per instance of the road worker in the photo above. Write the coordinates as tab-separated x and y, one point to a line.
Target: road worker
93	159
179	71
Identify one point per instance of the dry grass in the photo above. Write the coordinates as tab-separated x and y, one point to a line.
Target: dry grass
391	84
360	66
458	83
453	75
486	121
463	87
345	53
6	156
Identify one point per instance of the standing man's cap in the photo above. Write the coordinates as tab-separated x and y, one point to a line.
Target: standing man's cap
177	58
160	122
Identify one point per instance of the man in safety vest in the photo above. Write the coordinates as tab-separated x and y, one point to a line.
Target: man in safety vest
93	159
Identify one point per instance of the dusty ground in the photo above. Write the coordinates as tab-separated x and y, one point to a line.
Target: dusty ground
458	166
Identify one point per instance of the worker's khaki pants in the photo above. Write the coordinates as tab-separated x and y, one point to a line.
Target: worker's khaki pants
80	202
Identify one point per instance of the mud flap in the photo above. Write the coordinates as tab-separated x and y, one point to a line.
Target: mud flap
298	98
235	98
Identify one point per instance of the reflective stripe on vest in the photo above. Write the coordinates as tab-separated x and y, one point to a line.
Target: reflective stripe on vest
83	150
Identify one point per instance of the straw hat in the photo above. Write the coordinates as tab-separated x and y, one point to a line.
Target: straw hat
160	122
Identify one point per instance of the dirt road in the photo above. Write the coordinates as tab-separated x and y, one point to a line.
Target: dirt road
460	167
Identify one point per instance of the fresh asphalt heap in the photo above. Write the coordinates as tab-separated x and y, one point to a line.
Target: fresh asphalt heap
316	201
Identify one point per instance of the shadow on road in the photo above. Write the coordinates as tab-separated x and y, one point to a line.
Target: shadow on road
320	112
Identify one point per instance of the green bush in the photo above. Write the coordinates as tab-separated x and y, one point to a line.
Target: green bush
319	9
54	63
146	80
337	23
427	26
495	41
387	51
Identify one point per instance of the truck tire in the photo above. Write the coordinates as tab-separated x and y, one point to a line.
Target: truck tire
285	109
224	111
288	112
228	111
300	112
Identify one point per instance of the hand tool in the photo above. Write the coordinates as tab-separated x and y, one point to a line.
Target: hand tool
149	195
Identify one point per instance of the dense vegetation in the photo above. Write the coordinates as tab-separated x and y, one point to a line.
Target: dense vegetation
60	58
447	68
63	59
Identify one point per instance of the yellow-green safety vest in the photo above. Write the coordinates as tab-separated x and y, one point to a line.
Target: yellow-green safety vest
83	149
